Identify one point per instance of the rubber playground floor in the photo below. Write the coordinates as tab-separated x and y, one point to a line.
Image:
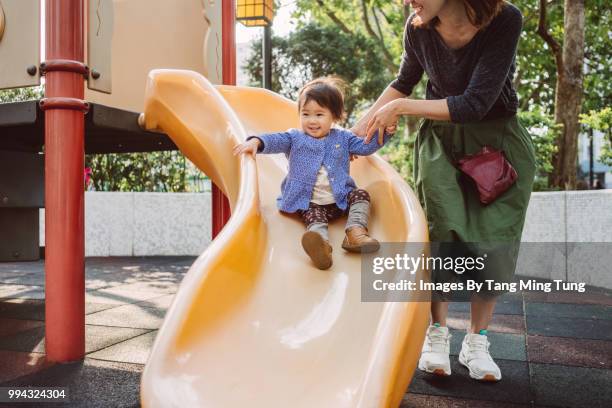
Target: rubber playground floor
553	352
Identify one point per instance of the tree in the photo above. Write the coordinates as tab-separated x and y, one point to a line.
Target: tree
313	51
569	59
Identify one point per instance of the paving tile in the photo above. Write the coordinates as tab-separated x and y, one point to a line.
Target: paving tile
29	279
10	327
503	345
569	310
14	364
155	287
30	340
500	323
589	297
510	307
513	388
114	296
162	302
22	267
433	401
96	338
35	309
575	387
568	351
20	278
135	350
21	292
91	383
566	327
128	316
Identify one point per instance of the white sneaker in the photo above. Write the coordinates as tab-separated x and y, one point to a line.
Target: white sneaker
436	349
475	356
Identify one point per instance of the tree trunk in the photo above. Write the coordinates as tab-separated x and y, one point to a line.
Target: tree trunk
568	98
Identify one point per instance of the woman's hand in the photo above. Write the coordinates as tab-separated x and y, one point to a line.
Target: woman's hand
248	147
386	117
359	129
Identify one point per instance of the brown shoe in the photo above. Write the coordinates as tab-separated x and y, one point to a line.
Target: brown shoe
318	249
358	240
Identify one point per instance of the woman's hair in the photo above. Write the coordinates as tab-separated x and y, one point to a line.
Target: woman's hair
479	12
327	92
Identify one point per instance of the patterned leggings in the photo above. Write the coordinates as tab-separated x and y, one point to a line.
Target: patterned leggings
325	213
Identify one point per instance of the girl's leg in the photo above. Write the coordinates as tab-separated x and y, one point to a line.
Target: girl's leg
315	219
359	209
315	240
357	238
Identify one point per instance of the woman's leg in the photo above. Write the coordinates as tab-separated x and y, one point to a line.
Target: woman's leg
435	356
439	311
482	313
475	346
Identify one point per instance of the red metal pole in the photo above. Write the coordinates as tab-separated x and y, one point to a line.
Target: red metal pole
64	185
220	205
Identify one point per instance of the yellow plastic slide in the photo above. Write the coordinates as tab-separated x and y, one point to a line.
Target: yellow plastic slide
254	323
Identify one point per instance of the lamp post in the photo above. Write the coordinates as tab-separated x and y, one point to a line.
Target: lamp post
259	13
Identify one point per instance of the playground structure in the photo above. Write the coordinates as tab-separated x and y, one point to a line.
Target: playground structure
253	321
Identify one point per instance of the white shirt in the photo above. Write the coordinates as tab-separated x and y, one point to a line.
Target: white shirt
322	193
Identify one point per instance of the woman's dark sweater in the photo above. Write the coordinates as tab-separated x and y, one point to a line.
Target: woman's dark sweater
476	79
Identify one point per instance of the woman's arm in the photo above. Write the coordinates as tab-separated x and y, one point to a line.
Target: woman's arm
410	73
484	87
388	114
388	95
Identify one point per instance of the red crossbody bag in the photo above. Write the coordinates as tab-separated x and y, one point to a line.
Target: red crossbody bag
490	171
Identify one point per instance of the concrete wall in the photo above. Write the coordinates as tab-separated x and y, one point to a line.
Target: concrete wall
567	235
145	224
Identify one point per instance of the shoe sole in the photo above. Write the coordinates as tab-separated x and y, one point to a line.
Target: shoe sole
484	378
438	372
367	248
314	245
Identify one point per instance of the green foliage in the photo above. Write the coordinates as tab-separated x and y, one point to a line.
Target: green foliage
313	51
21	94
602	121
536	68
544	132
155	171
399	152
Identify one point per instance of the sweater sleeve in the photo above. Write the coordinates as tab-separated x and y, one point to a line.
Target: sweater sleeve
358	146
410	71
274	142
491	70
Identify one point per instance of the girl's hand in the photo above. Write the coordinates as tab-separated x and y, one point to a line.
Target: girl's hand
248	147
391	129
386	116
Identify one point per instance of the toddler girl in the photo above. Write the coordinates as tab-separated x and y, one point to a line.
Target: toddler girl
318	186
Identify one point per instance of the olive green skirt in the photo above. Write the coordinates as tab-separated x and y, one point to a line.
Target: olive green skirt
454	212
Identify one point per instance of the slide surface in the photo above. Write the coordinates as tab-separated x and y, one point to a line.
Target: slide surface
254	323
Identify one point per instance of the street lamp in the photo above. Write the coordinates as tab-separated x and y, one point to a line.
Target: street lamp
259	13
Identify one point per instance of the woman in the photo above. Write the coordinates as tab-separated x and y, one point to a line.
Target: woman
467	48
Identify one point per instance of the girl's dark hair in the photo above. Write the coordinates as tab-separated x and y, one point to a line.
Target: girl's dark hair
327	92
479	12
